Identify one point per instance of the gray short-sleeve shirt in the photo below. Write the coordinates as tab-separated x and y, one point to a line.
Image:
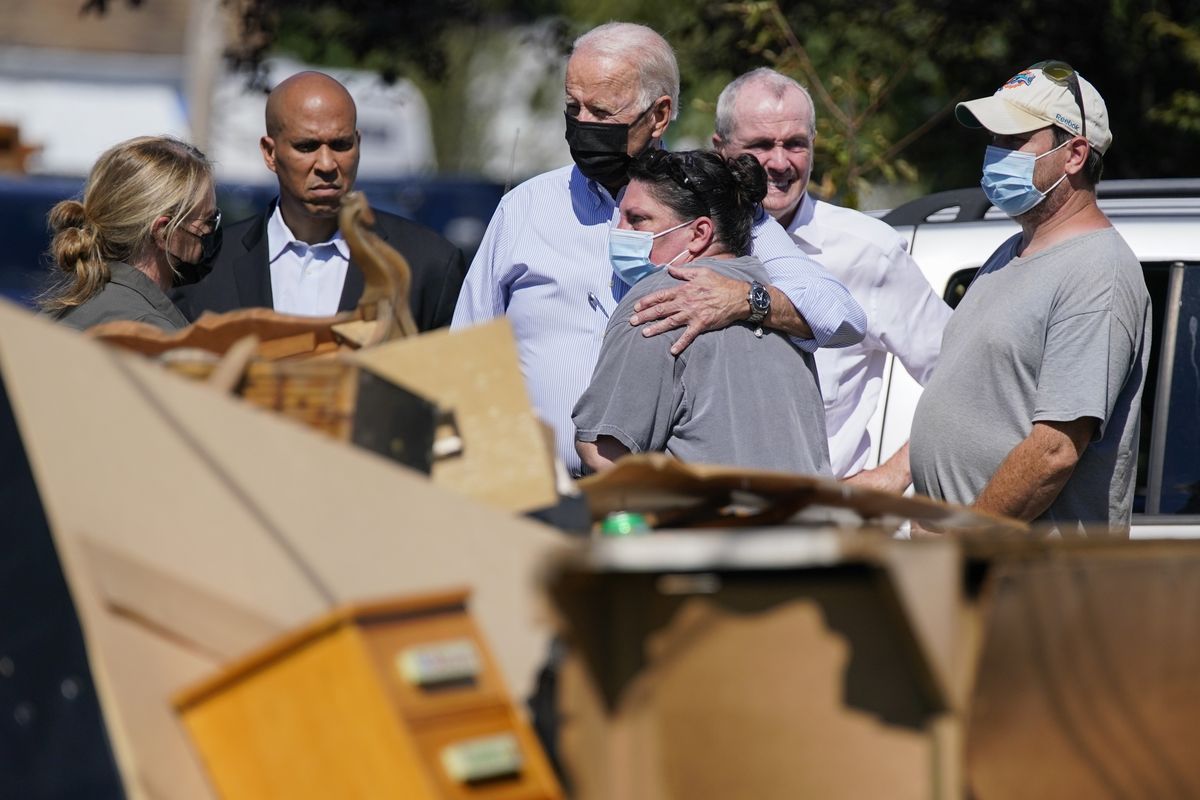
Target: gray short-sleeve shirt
733	397
1054	337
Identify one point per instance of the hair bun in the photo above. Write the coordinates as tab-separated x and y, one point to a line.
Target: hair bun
66	215
76	241
750	177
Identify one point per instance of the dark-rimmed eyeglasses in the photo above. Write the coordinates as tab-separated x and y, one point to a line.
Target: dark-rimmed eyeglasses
1063	74
212	223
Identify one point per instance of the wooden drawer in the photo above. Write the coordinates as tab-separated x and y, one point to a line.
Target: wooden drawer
391	642
533	781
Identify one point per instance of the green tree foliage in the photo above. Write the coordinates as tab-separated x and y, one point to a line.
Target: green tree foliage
885	73
872	68
392	38
878	88
1181	111
1121	46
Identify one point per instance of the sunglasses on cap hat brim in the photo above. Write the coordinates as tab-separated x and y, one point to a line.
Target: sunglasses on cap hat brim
1063	74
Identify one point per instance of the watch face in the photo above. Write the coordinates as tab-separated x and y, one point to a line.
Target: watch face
760	299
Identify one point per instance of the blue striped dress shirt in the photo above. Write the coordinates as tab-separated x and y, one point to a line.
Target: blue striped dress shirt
543	263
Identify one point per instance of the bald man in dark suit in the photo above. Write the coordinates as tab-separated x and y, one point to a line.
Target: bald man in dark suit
291	257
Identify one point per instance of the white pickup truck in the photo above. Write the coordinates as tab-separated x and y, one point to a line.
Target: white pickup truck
951	234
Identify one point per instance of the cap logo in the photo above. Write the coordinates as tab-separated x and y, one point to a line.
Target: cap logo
1024	78
1070	123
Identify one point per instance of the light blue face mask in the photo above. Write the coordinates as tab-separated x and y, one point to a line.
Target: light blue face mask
629	252
1008	179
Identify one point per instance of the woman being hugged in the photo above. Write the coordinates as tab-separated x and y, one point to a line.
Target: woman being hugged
743	395
149	211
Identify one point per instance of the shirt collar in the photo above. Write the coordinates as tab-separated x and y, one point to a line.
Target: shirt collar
280	238
600	195
803	219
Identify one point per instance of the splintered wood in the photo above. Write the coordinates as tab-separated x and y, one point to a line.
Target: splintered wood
321	394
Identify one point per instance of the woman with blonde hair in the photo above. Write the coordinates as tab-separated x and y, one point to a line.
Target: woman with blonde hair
149	210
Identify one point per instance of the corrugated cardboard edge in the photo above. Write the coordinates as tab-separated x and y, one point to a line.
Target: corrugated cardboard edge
194	483
476	374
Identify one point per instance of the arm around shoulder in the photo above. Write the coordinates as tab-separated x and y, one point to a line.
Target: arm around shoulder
818	301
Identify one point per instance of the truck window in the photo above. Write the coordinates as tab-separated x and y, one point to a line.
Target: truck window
1158	278
1178	491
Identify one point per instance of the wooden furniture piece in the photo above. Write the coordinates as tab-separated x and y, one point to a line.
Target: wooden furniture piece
393	699
276	527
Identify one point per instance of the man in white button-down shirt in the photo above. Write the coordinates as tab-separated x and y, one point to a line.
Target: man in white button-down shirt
771	117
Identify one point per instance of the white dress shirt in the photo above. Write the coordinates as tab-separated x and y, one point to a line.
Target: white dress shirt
905	317
306	279
544	264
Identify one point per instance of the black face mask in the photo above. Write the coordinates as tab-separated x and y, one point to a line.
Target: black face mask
599	149
210	245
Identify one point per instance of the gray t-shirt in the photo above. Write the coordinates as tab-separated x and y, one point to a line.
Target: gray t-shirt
1054	337
732	397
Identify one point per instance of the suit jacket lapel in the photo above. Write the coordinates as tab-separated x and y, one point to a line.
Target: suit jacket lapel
352	288
252	272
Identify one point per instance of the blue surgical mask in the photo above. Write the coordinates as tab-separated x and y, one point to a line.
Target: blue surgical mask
629	252
1008	179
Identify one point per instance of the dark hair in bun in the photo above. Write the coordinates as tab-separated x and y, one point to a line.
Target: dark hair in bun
698	183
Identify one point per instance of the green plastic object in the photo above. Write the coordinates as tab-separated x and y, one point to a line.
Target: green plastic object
624	523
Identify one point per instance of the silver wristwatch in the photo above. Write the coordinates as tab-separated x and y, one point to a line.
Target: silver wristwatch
760	303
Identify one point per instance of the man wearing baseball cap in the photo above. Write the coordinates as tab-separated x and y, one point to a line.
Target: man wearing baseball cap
1033	410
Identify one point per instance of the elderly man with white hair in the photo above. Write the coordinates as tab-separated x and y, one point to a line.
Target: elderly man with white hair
771	117
544	261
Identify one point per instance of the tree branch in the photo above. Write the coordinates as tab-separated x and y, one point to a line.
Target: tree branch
914	134
896	77
814	80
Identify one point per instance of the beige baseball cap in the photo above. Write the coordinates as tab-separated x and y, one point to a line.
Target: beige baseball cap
1031	100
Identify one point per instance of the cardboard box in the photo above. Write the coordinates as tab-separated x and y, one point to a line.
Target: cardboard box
773	664
760	665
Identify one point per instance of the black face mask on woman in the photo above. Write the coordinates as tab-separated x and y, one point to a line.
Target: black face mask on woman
600	149
191	272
